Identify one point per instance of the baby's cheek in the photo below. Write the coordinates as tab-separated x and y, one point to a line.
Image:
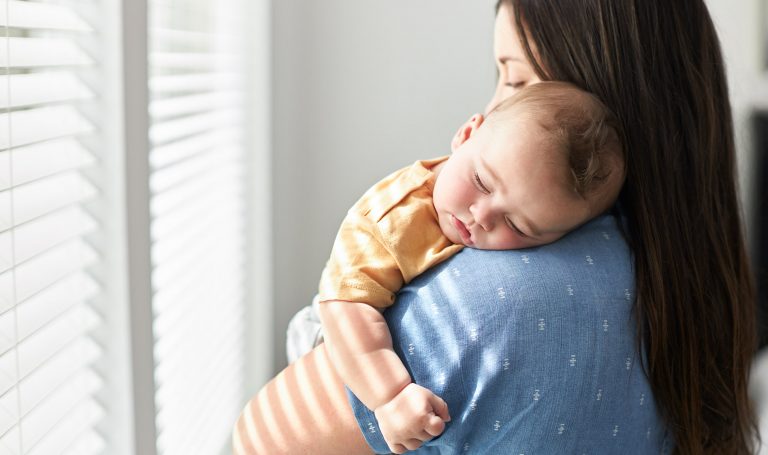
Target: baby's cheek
505	240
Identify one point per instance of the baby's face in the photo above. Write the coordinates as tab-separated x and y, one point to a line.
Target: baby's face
505	187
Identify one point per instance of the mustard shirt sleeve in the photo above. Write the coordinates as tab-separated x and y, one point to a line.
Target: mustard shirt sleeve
390	236
361	269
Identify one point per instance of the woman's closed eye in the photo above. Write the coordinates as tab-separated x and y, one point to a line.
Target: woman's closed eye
516	84
480	186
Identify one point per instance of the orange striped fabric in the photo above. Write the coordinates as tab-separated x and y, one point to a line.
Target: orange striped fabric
388	237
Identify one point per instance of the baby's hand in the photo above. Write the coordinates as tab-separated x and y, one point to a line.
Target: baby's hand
413	416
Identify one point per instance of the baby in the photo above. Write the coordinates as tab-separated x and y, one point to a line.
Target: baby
543	162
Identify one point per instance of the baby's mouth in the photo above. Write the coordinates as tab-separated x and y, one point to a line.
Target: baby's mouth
466	236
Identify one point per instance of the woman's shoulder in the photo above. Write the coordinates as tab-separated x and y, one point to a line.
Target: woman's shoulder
534	350
593	261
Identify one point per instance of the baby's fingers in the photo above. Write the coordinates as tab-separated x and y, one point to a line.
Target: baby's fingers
440	407
435	426
398	448
412	444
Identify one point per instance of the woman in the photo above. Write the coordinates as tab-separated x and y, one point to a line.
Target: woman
657	65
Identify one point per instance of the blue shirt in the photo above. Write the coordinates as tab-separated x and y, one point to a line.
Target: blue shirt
533	350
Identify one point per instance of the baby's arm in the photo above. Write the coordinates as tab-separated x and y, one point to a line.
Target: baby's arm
360	347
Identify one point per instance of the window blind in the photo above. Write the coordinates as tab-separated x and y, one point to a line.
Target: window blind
48	378
197	188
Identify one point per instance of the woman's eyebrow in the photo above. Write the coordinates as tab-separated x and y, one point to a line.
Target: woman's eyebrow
503	59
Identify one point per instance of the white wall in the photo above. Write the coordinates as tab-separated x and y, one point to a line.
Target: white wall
740	38
361	88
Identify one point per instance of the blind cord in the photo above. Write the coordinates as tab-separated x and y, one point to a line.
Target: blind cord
13	224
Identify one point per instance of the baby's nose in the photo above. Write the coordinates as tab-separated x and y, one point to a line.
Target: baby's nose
483	217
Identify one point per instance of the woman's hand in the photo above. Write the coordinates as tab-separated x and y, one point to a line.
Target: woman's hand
413	416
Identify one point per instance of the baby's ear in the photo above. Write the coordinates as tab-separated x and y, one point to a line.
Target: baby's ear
466	131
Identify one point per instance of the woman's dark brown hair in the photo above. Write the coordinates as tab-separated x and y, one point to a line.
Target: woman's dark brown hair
657	65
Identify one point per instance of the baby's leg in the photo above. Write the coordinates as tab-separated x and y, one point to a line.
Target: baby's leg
304	332
301	411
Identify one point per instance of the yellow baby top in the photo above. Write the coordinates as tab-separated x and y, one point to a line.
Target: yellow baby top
388	237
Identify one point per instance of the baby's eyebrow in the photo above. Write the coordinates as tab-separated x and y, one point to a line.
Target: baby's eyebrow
532	230
489	170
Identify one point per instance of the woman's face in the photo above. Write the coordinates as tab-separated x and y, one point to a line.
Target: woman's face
514	70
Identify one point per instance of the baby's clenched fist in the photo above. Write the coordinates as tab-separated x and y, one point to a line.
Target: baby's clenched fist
413	416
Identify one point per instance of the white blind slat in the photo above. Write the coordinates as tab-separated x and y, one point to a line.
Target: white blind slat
193	104
41	88
6	251
191	168
172	293
90	443
47	158
46	269
5	210
168	247
188	147
9	442
179	324
6	291
188	193
7	331
50	230
167	272
189	215
86	415
31	15
162	133
195	61
43	344
59	417
53	301
46	355
52	374
52	193
7	371
5	170
172	375
163	38
9	410
194	82
197	186
41	52
41	124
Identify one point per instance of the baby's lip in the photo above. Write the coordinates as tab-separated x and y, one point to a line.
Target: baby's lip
466	236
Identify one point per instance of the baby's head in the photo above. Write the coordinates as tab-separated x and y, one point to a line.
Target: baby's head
544	162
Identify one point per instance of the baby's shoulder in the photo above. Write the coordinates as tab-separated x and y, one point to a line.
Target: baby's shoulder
409	188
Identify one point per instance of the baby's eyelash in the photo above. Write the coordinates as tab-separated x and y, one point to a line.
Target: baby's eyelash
514	228
480	185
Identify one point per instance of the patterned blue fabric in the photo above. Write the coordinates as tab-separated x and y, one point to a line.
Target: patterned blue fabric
533	350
